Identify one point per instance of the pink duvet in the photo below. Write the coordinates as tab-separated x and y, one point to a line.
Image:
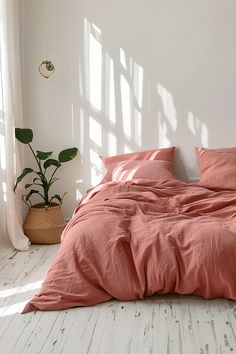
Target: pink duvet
129	240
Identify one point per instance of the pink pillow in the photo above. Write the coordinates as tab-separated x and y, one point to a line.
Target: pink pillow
217	168
166	154
139	169
223	150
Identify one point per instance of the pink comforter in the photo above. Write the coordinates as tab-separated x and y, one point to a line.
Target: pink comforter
129	240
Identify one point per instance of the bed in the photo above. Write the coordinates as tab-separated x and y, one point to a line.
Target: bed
137	234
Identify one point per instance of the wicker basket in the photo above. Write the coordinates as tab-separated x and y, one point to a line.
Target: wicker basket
44	225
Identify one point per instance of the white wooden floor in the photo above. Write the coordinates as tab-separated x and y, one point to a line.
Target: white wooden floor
162	324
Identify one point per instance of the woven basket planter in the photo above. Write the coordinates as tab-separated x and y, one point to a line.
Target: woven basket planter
44	225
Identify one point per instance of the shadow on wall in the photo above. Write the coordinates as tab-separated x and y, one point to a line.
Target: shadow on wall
117	101
130	75
191	128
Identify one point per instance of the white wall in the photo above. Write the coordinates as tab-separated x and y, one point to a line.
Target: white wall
130	75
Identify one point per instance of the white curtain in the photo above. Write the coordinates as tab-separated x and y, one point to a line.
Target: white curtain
11	116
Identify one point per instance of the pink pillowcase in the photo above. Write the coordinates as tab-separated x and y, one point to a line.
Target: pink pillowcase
165	154
217	168
138	169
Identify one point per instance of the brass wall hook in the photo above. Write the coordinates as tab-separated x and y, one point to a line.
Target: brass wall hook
46	68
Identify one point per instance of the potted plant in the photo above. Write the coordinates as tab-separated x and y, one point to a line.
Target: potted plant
44	222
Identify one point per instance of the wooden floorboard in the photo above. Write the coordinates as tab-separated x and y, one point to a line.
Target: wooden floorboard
162	324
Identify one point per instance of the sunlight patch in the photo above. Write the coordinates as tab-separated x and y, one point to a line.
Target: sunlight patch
112	144
12	309
126	106
123	59
20	289
96	167
95	131
168	106
95	72
138	84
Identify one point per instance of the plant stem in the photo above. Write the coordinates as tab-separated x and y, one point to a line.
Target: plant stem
35	158
42	177
53	174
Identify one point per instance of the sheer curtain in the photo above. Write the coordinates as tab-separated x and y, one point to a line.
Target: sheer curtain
11	206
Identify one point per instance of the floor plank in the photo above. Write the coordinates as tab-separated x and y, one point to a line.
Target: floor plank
162	324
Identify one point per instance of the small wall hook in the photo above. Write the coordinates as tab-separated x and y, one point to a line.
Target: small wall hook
46	68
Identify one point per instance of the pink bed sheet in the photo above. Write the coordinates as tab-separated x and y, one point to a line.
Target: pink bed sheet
129	240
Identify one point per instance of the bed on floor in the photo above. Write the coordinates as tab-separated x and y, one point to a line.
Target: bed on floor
142	232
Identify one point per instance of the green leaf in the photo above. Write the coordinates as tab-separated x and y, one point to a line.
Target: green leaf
25	136
57	196
25	172
36	182
33	191
67	155
28	185
36	179
41	175
41	155
51	162
53	181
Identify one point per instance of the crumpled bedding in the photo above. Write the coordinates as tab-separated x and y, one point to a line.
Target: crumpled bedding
129	240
